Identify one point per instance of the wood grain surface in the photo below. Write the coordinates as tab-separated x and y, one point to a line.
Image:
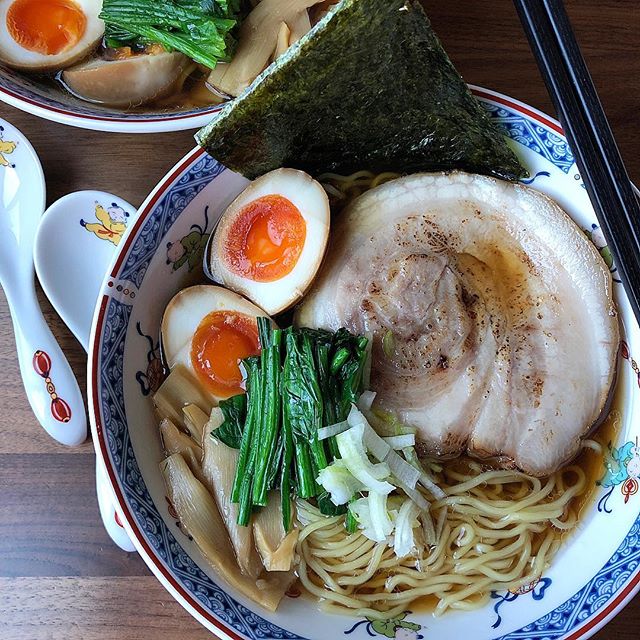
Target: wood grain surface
61	578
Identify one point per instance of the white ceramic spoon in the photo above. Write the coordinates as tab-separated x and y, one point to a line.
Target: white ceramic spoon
74	246
50	384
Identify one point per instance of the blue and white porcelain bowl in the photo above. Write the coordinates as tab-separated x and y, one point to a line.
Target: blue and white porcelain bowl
44	99
598	568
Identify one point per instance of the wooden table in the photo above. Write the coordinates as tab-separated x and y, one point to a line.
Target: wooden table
60	575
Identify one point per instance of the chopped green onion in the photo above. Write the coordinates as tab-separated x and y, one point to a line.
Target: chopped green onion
253	391
350	521
406	521
401	442
388	343
333	430
339	482
339	359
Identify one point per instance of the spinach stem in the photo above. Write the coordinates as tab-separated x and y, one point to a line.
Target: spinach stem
253	396
266	446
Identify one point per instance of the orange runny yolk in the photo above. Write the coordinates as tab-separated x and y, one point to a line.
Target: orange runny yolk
266	239
46	26
220	342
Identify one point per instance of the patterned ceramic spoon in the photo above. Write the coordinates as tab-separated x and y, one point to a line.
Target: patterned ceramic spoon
74	246
50	384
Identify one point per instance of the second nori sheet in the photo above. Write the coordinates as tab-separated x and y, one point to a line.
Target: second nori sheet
369	88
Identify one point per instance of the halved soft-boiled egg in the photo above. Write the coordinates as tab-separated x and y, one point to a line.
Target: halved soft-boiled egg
209	330
270	242
46	35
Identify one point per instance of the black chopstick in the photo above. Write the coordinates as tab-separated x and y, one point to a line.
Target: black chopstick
579	110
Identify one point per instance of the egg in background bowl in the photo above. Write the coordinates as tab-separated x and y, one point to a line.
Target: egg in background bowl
47	35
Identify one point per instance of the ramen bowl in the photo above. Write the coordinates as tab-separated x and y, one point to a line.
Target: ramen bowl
598	567
43	98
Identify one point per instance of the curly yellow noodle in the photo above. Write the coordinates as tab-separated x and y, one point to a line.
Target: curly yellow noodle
495	529
481	548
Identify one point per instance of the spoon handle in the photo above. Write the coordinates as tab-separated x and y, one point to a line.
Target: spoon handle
110	518
51	387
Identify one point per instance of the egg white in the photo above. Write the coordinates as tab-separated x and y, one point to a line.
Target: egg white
311	200
183	316
16	56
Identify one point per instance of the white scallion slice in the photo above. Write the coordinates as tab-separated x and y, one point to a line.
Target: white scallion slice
365	401
354	456
356	416
333	430
376	446
401	442
407	519
372	516
428	529
425	479
418	498
406	474
339	482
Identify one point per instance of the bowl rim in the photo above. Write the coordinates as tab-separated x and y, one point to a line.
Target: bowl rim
154	123
582	630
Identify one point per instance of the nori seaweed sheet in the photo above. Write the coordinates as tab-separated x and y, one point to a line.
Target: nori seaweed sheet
370	87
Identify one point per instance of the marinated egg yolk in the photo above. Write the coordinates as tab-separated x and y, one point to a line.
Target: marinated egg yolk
266	239
220	342
46	26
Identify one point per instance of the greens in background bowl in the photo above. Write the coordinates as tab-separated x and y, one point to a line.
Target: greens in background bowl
139	66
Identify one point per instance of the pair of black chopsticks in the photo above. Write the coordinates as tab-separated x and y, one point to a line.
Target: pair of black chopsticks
585	124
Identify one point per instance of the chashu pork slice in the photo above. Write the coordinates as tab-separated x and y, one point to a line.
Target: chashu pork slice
494	329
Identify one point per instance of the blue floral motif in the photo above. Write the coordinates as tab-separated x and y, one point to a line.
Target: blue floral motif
532	135
536	589
540	174
612	577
